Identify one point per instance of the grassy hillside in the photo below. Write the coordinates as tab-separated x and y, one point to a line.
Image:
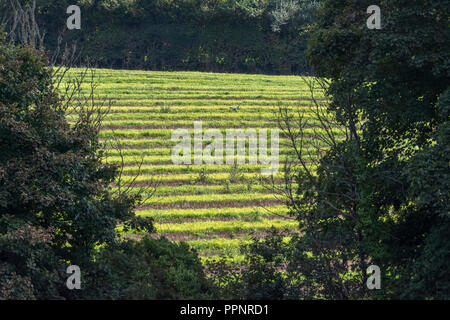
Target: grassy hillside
213	207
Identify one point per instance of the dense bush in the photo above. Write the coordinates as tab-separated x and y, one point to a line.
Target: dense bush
148	269
393	84
29	268
258	277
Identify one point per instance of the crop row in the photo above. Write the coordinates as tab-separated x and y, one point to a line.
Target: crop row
171	170
167	133
230	109
210	198
156	143
203	114
228	246
239	123
192	178
225	188
239	212
159	159
220	226
150	103
190	79
165	95
167	151
168	89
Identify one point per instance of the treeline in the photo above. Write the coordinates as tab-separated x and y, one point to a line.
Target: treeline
247	36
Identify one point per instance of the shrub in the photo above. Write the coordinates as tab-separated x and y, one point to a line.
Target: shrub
29	268
148	269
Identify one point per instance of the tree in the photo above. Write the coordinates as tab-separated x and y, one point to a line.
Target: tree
149	269
52	177
394	79
324	177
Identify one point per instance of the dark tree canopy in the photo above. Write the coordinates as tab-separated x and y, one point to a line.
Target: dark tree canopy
247	36
395	82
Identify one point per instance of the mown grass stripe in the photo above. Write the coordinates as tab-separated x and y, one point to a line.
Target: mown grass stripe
212	212
218	226
210	197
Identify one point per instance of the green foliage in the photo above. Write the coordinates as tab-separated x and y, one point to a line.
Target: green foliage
395	75
29	268
224	36
330	254
428	177
23	77
148	269
258	277
393	84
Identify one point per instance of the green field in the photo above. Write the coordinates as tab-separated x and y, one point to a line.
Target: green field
213	207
